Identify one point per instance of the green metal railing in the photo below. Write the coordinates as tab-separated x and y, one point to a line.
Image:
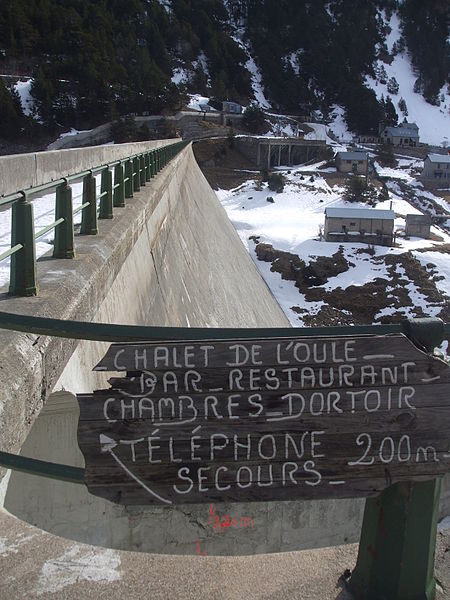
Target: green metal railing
130	174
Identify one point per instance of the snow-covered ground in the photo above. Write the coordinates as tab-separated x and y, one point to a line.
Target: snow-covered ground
433	121
292	222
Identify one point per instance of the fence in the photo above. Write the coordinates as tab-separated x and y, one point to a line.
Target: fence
130	174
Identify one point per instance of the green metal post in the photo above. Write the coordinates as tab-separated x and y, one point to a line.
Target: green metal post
148	174
398	536
119	191
397	545
152	163
158	160
23	277
128	178
136	176
64	237
89	223
106	200
142	176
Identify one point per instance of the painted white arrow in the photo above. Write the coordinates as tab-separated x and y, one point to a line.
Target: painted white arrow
107	444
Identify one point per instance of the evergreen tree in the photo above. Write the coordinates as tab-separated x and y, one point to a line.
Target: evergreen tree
253	118
12	119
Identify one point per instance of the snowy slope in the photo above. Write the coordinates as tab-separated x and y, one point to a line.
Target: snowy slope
433	121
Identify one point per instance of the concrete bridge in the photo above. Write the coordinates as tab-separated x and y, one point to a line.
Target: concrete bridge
169	257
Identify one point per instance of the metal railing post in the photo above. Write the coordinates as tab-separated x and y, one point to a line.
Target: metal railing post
148	174
119	186
152	163
23	278
128	178
397	544
142	174
64	237
106	201
136	175
398	535
89	224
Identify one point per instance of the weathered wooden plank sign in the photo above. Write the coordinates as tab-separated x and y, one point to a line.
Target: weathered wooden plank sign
265	419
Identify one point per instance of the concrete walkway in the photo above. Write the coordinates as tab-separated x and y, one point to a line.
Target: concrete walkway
36	564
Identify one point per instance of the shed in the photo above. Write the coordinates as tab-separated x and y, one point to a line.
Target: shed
365	225
418	226
352	162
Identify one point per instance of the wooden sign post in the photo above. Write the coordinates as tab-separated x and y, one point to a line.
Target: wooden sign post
271	419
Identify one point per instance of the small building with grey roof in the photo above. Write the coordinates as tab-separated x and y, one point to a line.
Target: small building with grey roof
436	170
352	162
366	225
406	134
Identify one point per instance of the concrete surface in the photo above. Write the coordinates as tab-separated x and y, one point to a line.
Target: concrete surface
22	171
35	564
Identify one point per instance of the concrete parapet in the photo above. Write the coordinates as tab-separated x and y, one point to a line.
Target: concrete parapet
22	171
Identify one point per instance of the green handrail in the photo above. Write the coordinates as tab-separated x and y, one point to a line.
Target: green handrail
43	468
23	280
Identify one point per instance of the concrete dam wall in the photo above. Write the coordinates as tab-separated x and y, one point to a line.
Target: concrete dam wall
170	257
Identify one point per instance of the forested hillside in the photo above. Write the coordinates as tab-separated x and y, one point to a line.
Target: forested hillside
93	60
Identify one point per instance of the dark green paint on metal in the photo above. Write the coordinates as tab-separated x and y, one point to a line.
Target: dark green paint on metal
33	466
64	237
23	278
106	200
142	177
130	333
147	166
397	544
119	186
89	224
136	176
128	178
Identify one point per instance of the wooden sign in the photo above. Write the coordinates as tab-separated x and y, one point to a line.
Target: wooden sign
278	419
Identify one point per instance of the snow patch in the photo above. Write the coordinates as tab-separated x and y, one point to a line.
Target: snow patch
78	564
338	124
26	99
195	100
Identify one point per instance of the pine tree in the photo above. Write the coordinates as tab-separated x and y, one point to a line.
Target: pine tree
12	118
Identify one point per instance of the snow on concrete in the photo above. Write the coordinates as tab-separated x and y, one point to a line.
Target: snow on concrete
26	99
78	564
433	121
444	524
12	547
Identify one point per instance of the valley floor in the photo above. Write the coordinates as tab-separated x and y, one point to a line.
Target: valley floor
321	283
